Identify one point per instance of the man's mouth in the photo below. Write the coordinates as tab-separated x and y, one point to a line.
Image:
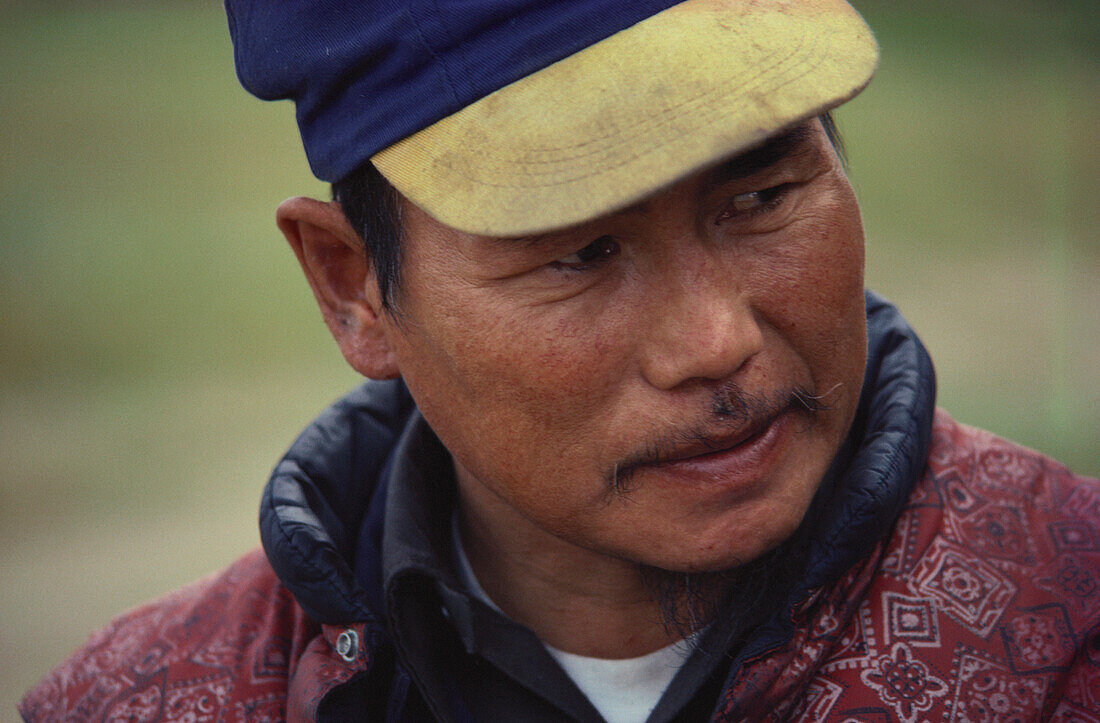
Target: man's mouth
722	457
713	445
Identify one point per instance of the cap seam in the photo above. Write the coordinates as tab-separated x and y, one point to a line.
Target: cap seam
667	117
445	71
461	48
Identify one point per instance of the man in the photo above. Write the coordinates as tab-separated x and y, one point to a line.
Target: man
641	447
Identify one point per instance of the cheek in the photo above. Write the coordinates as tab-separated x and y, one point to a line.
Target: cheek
812	300
575	361
813	282
536	364
487	377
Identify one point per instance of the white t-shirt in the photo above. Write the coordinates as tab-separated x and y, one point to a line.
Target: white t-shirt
622	690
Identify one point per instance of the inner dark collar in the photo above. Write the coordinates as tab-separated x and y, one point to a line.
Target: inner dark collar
420	500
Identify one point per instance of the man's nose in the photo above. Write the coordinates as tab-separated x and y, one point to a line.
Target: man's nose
703	325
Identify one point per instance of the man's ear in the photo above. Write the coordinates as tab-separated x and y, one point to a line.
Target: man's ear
343	282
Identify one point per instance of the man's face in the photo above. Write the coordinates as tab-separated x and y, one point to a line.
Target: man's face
640	386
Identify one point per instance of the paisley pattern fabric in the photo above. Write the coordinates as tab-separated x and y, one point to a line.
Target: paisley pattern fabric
982	605
226	648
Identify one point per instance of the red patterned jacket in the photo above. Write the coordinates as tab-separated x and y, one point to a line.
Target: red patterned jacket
980	603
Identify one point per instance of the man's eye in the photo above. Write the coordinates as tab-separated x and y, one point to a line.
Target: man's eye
591	255
745	205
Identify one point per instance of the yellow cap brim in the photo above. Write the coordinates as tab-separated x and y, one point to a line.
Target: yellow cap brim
609	125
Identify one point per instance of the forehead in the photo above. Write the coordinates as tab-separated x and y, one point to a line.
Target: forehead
794	142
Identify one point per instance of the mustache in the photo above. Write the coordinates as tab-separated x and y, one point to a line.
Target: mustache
731	407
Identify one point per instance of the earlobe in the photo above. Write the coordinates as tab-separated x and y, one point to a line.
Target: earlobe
331	255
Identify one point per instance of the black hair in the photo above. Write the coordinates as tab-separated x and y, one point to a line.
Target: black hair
833	134
373	208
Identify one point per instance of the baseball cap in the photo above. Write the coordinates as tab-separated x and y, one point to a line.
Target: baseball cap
513	117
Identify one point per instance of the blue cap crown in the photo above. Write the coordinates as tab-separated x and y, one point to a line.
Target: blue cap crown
364	75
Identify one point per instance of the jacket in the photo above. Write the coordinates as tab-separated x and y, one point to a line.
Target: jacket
953	576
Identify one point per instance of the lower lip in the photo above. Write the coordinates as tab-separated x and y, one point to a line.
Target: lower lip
737	467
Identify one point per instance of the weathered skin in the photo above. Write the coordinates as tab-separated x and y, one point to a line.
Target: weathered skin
544	372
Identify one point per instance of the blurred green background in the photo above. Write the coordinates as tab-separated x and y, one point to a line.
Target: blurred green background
158	350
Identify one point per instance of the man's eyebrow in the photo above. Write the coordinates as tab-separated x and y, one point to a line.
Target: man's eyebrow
762	157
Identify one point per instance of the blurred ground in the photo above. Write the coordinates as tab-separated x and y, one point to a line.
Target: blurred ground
158	350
